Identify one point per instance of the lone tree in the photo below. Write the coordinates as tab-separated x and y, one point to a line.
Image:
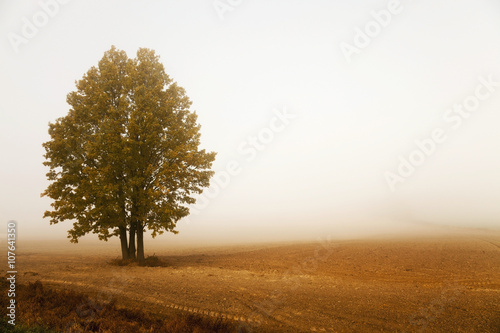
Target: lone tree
125	158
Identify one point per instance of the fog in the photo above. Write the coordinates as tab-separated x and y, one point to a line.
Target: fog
330	119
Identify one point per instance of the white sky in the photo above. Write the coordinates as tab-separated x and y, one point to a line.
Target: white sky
324	173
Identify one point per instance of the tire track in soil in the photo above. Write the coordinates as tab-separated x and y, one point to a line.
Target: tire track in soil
494	244
174	306
486	285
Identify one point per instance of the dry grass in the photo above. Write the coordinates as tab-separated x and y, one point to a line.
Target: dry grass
150	261
41	309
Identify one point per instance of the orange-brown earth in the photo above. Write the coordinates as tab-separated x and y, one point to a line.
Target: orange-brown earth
432	284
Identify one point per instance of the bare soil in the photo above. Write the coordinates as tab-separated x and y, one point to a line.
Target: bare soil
433	284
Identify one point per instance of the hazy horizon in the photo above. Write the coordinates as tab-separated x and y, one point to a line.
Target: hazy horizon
313	139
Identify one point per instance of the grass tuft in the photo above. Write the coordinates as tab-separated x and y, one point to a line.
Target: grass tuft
149	261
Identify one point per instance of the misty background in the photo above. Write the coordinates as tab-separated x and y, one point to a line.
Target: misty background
324	171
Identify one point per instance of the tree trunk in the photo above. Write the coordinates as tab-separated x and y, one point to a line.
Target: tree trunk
131	242
140	244
123	241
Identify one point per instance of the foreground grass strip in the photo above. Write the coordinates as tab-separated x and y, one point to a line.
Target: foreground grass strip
44	310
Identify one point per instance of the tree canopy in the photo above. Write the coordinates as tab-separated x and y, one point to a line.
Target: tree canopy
126	157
